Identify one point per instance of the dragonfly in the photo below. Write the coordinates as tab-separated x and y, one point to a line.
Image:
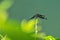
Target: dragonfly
38	16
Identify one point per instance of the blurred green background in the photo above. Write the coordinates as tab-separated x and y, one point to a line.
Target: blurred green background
24	9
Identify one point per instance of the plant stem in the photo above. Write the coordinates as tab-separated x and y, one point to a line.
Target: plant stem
36	28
